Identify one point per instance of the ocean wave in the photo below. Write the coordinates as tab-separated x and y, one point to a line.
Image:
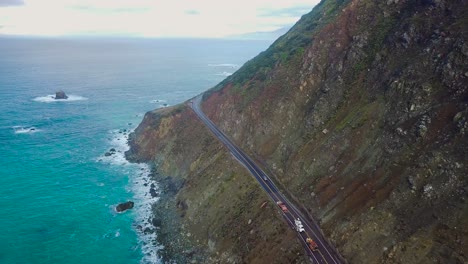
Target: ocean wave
25	129
224	74
155	101
162	103
230	65
145	193
51	98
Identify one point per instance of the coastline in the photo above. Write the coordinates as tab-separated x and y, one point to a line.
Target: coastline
170	242
145	193
166	218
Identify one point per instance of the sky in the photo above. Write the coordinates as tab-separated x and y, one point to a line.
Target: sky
148	18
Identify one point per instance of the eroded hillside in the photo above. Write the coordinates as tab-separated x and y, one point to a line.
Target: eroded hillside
359	113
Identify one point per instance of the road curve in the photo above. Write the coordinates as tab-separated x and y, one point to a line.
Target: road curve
325	253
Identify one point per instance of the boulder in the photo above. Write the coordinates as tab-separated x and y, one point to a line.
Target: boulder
60	95
124	206
153	192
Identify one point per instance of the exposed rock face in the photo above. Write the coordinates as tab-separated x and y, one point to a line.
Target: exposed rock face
359	113
124	206
111	152
60	95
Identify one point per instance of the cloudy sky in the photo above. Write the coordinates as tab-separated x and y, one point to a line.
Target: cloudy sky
148	18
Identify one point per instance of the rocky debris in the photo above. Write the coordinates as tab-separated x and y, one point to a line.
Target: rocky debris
60	95
166	224
111	152
411	182
406	40
422	126
156	222
428	191
124	206
182	205
400	131
153	192
460	121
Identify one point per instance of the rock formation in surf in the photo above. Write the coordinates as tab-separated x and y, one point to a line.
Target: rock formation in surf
60	95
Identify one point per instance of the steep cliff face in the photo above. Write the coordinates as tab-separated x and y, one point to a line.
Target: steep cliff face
221	210
359	112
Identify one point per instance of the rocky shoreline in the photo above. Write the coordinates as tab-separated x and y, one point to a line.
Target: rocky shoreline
164	220
176	246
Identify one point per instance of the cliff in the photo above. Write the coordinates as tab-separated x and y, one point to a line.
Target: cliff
359	113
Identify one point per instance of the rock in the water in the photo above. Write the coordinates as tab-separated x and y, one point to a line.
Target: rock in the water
153	192
156	222
124	206
60	95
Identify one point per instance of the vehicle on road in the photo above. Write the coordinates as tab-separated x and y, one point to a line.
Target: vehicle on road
299	226
265	178
282	206
312	245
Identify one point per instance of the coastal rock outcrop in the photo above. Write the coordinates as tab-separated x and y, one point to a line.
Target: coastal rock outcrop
124	206
111	152
60	95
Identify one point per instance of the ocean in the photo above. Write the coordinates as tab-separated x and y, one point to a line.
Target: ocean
59	179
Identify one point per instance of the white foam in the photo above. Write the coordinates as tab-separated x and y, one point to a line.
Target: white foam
230	65
51	98
224	74
155	101
140	185
25	129
162	103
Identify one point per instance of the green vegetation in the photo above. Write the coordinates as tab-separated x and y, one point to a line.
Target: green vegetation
357	117
287	47
376	41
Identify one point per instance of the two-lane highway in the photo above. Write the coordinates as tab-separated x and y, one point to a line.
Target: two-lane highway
324	253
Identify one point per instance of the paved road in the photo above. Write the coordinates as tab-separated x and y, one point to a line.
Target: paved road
325	252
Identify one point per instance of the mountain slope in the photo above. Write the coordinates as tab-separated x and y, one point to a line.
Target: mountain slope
360	113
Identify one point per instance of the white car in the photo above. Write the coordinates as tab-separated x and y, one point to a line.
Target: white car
299	226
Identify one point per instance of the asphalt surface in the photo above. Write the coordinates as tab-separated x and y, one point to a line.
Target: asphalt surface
325	253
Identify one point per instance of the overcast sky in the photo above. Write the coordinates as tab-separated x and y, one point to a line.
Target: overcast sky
148	18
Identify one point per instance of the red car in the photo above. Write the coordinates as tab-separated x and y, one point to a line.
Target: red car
312	245
282	206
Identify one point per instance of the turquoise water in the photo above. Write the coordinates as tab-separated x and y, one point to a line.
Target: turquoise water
58	189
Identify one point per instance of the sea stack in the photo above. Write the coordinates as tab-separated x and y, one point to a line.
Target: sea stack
60	95
124	206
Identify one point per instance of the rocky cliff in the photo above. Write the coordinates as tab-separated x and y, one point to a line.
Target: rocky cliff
359	113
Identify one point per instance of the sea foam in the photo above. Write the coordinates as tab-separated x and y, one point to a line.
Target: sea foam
141	185
25	129
224	74
51	98
229	65
155	101
162	103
